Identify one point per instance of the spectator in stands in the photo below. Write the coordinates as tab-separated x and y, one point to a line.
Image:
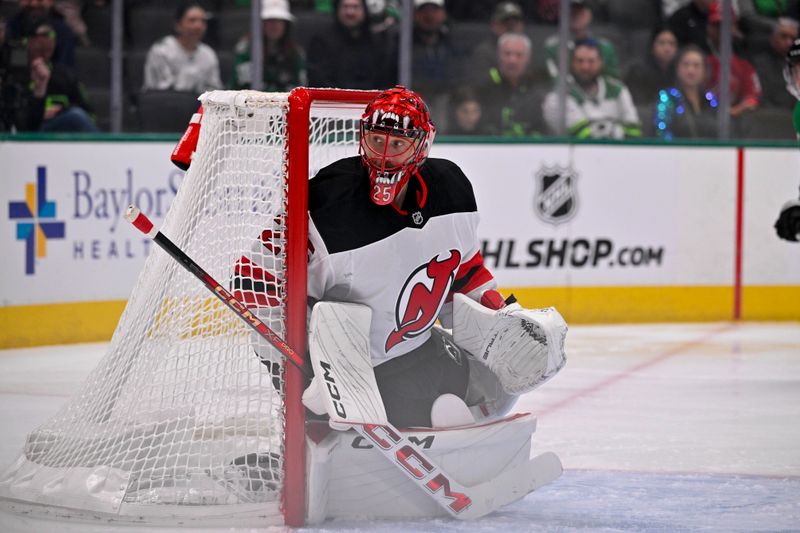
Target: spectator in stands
656	71
686	109
284	60
470	10
761	16
580	21
511	105
182	62
437	62
769	64
507	18
688	23
466	113
745	87
545	11
34	13
71	11
383	15
54	100
598	105
668	7
347	55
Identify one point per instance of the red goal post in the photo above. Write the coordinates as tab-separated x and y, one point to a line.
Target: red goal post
301	101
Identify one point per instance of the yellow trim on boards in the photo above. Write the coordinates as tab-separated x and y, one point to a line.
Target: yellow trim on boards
61	323
64	323
771	303
597	305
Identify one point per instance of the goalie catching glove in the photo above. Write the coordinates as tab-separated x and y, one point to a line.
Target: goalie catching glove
523	347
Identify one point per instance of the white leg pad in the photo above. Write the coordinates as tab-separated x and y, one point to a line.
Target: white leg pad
352	479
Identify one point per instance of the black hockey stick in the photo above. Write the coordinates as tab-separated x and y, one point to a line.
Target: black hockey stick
143	224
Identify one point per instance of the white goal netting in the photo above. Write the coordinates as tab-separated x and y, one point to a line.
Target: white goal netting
181	418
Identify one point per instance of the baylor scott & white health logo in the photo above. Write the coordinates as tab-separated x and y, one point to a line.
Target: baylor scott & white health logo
556	198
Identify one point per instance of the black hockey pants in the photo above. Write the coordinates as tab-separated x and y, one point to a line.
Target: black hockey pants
410	383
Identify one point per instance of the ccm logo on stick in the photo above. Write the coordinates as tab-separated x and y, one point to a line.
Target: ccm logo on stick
360	443
333	390
417	465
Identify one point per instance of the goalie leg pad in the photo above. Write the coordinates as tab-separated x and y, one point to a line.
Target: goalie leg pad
523	347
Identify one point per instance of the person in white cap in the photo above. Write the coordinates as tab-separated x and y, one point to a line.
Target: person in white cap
284	59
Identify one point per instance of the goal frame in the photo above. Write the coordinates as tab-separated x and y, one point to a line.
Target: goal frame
298	129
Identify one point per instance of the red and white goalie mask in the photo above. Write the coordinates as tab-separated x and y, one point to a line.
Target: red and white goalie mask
396	137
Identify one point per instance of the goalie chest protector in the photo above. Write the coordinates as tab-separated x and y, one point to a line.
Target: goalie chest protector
402	263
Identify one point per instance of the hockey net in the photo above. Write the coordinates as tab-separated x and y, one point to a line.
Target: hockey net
182	419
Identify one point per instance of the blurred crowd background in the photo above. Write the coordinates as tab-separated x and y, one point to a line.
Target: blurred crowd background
637	68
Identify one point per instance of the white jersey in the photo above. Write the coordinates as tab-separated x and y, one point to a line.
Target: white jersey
610	113
403	264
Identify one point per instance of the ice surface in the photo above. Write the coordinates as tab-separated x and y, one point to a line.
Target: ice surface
679	427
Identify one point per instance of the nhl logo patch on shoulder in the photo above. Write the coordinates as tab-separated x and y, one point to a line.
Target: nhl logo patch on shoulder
417	218
556	198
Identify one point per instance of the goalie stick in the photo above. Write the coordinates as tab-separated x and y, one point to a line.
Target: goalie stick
462	502
140	221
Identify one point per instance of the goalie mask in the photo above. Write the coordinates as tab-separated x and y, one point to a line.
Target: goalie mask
396	136
791	71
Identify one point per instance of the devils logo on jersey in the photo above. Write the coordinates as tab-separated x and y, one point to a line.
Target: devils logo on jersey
422	297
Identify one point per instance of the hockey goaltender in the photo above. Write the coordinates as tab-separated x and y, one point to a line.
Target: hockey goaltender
393	248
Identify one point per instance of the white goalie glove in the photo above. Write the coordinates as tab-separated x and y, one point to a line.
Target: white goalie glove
523	347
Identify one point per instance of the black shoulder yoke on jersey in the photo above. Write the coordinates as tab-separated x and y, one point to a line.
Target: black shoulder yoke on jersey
346	217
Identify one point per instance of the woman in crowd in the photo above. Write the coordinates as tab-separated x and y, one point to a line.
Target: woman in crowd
655	71
466	114
687	110
182	62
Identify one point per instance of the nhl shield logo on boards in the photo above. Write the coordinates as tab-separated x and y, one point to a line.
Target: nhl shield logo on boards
556	197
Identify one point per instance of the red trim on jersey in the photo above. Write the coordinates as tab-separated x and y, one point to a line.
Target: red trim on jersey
470	275
267	237
422	195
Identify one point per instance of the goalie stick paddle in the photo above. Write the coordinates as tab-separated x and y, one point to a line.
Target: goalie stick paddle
140	221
